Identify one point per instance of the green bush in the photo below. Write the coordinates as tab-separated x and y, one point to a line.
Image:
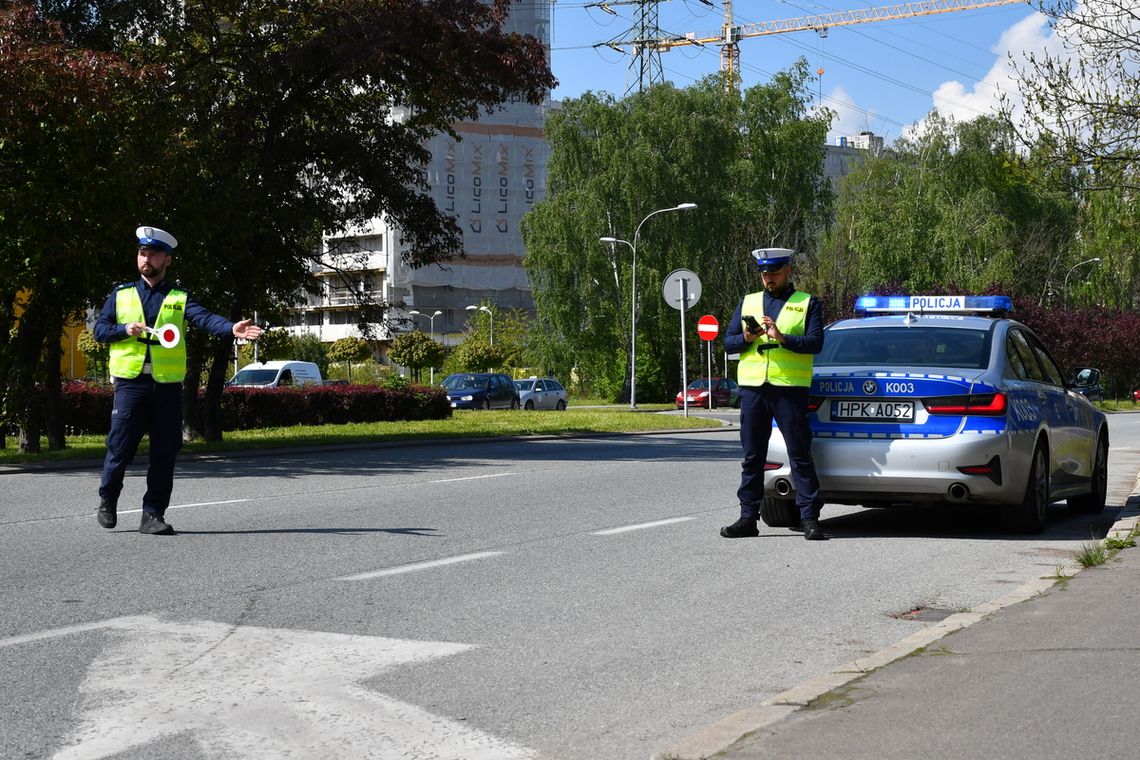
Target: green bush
87	408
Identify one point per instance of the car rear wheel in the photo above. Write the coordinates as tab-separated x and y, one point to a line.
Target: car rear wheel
779	513
1093	502
529	406
560	406
487	404
1028	516
514	404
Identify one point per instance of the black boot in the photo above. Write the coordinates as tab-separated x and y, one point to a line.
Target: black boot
152	524
106	513
812	531
742	528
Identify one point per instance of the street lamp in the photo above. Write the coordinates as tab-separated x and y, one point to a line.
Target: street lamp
1065	290
431	332
633	295
489	313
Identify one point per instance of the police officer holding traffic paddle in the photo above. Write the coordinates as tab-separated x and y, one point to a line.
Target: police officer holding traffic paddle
144	323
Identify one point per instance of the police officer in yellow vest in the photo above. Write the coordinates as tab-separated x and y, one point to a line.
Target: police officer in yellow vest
144	323
775	377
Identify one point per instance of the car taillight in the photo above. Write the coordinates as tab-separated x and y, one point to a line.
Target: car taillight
773	465
980	404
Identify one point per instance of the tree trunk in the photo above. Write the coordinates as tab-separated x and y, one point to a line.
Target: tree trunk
52	391
215	384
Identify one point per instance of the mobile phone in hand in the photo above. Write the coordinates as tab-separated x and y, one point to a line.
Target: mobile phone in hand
753	325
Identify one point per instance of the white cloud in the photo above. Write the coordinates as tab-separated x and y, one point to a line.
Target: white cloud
954	100
849	118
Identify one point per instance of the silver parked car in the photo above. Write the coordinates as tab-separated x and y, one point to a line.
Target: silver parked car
943	399
541	393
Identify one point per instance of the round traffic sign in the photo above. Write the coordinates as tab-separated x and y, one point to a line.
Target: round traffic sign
708	327
681	281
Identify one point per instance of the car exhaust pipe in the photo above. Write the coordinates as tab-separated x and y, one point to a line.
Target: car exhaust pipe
783	487
957	492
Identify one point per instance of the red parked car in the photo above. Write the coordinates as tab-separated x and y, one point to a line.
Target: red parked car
725	393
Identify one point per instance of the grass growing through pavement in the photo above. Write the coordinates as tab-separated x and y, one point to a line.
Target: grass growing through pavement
463	424
1099	552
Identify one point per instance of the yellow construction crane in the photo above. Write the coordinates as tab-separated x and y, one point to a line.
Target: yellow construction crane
731	34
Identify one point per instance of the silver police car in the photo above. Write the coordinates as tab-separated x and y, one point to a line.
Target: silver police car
943	399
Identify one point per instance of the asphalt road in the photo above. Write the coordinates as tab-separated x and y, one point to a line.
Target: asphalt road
530	599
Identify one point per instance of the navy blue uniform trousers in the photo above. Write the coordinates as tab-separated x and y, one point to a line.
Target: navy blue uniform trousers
143	406
788	407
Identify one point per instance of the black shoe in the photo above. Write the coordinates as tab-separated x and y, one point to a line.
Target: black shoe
153	525
812	531
742	528
106	514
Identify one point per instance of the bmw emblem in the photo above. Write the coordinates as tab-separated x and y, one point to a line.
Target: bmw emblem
869	387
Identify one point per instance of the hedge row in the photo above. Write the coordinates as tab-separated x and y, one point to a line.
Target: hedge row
87	408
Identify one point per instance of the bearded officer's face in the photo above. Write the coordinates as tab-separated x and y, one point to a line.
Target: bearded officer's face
775	282
153	262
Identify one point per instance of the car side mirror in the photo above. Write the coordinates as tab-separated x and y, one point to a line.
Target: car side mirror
1086	376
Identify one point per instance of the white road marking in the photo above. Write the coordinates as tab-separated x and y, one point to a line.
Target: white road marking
263	693
416	566
54	633
612	531
472	477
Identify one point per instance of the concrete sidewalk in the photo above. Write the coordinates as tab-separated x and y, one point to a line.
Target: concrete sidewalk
1046	672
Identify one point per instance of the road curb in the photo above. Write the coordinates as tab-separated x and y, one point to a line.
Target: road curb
727	732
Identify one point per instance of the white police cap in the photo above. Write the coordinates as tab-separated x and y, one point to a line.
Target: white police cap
771	259
156	238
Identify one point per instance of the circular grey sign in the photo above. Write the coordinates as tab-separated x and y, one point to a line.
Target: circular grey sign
678	281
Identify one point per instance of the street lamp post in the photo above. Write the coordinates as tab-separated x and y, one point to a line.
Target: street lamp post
431	333
633	295
491	314
1065	290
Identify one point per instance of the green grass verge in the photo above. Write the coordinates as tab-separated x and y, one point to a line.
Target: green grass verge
464	424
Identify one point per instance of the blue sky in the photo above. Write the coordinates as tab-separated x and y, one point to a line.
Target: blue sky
882	76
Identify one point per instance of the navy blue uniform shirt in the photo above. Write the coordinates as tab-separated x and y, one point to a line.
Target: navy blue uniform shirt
811	342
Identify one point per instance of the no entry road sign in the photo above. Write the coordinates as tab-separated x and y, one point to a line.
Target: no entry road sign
707	327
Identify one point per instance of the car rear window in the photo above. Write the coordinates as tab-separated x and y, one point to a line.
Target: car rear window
906	347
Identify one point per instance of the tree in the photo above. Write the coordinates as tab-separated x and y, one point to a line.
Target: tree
76	127
95	353
416	350
349	349
297	118
751	163
475	355
956	207
1085	96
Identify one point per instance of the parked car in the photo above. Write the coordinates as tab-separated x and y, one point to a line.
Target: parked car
1136	395
946	400
725	392
541	393
481	390
277	374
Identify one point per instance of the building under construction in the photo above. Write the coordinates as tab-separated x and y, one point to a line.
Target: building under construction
487	180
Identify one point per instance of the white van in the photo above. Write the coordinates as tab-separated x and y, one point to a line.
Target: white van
277	374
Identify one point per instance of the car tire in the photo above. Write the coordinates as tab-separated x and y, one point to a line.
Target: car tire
1093	502
779	513
1028	515
560	406
486	405
514	404
529	406
736	404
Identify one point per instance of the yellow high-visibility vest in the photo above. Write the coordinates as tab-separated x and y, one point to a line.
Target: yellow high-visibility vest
168	365
777	366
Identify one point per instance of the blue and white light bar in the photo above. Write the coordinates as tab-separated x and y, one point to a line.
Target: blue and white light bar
865	305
